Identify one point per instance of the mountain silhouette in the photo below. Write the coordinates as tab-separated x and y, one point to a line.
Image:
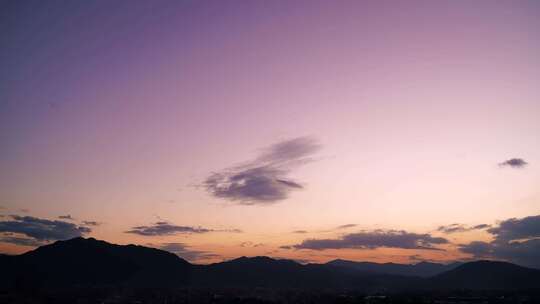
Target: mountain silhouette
422	269
488	275
269	272
89	262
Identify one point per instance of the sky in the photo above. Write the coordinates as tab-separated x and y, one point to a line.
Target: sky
384	131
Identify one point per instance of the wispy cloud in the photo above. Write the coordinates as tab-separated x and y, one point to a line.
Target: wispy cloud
251	244
229	230
514	163
456	228
264	180
165	228
65	217
91	223
374	239
346	226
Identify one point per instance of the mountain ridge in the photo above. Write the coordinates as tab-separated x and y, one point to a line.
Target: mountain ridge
84	262
421	269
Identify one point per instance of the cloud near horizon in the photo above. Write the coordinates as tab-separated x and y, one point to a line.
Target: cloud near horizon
22	241
515	240
264	180
456	228
91	223
374	239
251	244
183	251
165	228
39	230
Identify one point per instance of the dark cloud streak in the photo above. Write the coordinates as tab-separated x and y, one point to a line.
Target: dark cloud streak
164	228
346	226
374	239
43	229
514	163
91	223
20	241
456	228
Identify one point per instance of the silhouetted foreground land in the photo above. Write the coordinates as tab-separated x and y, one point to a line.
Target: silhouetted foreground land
91	271
257	295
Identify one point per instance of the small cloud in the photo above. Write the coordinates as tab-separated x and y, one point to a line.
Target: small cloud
66	217
300	231
514	163
264	180
452	228
230	230
24	210
91	223
251	244
346	226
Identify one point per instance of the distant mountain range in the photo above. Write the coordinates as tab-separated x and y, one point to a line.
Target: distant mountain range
89	262
422	269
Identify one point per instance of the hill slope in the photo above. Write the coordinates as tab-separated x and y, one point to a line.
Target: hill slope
89	262
488	275
268	272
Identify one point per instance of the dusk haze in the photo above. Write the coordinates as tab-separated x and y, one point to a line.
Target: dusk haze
317	132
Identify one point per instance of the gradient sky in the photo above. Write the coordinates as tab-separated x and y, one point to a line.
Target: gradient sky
391	117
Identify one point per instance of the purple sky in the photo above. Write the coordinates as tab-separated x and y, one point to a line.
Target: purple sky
222	127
